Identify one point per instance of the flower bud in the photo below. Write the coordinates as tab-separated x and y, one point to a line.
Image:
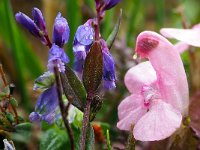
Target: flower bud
110	4
27	23
39	20
61	31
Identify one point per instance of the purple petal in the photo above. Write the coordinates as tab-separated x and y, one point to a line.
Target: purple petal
46	106
58	53
109	84
28	23
61	31
39	20
79	61
110	3
109	74
57	58
56	63
85	34
35	117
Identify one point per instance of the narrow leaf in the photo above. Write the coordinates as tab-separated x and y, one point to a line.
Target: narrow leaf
70	93
75	83
93	68
113	34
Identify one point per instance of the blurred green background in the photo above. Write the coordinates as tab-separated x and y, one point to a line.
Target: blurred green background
24	58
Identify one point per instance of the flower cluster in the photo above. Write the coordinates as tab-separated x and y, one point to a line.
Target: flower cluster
47	104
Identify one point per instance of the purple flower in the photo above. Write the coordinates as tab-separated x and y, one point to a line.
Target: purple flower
109	75
37	26
57	57
39	20
110	4
46	107
61	31
82	42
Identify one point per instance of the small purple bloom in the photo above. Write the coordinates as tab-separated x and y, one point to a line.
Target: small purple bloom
109	75
57	57
61	31
110	4
28	23
46	106
39	20
83	40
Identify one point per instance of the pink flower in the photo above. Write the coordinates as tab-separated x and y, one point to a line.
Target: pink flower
159	91
185	36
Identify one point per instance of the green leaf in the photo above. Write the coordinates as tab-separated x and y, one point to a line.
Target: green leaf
90	141
70	93
93	68
13	102
10	117
54	139
113	34
23	132
73	88
4	92
44	81
23	127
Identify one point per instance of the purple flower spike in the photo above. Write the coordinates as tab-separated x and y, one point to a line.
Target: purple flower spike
57	57
46	106
61	31
109	75
28	23
39	20
110	4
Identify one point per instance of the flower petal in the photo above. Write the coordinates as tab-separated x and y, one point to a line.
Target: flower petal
181	47
131	118
189	36
139	75
128	104
46	106
160	122
166	61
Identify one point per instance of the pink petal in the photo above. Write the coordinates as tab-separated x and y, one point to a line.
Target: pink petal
131	118
139	75
181	47
129	104
189	36
160	122
167	63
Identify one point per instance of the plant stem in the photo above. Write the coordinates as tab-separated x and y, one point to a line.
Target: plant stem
86	119
131	141
3	75
49	44
63	109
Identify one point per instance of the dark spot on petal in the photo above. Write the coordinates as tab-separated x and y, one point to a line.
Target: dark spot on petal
145	45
